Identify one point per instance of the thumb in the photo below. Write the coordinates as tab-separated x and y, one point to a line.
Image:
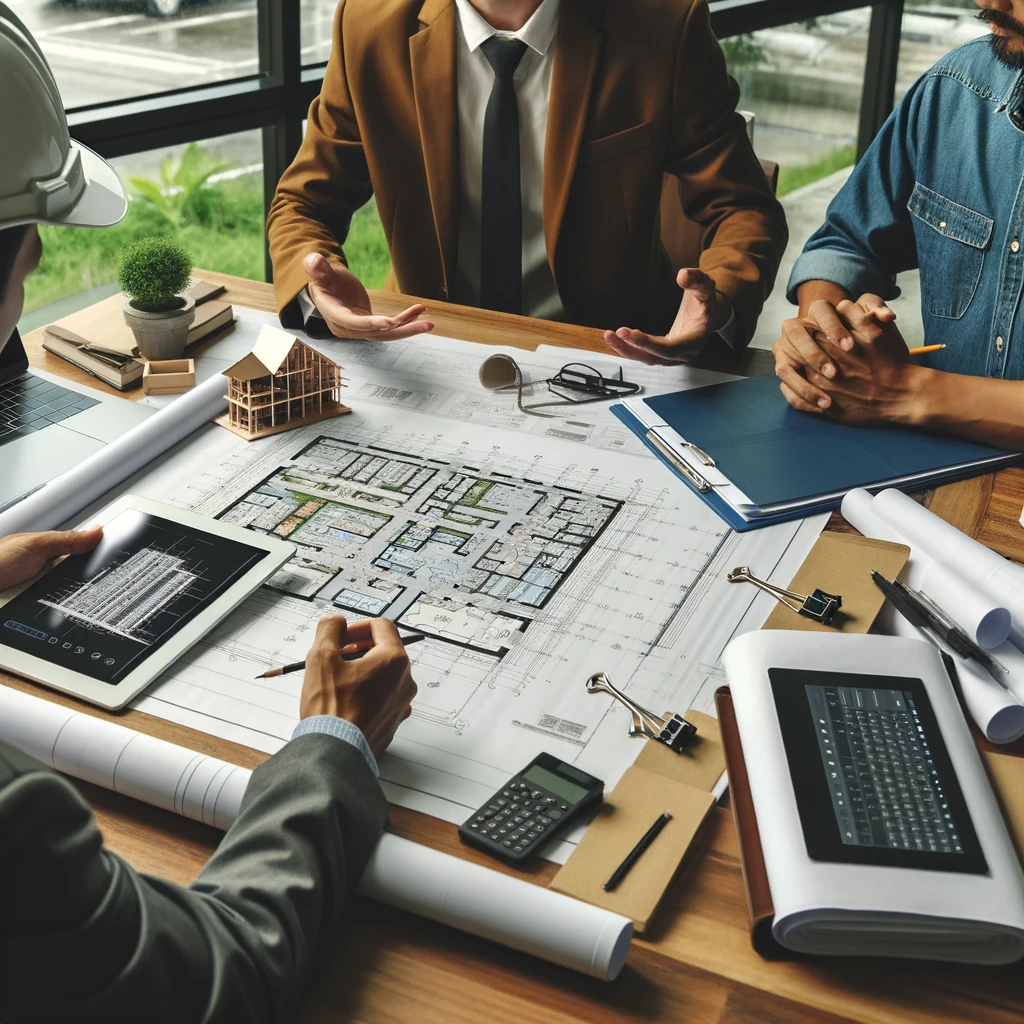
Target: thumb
319	271
692	279
55	543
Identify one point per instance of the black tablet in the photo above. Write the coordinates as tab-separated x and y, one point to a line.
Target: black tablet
873	780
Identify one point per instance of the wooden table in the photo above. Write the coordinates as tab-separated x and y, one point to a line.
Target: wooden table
697	966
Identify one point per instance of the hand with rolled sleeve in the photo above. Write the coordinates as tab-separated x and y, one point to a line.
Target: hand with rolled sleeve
703	312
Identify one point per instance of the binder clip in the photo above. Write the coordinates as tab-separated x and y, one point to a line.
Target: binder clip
672	730
818	605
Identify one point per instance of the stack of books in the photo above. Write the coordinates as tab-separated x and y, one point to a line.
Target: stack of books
98	340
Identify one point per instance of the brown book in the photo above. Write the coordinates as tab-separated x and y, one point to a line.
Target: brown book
100	328
117	371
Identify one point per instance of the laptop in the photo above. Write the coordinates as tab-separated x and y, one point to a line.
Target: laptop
47	427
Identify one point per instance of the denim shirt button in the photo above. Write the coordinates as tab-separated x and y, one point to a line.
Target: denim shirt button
1015	246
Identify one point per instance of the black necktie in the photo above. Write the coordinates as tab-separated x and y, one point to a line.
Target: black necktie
501	206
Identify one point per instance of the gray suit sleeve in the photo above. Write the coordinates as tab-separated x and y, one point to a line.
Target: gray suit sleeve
84	937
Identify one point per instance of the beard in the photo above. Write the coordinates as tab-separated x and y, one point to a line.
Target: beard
1009	49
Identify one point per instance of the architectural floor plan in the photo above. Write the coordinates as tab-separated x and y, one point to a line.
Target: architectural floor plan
529	563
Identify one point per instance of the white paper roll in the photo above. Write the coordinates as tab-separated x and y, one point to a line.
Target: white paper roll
68	494
984	621
402	874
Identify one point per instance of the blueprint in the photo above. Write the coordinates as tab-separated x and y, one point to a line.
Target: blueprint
528	561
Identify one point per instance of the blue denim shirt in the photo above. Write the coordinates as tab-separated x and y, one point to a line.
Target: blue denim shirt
942	189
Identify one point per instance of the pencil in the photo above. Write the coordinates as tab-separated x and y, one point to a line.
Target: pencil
298	666
925	349
634	855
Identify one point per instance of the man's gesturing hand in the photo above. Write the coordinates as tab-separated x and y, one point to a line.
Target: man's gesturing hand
374	692
343	302
702	312
23	555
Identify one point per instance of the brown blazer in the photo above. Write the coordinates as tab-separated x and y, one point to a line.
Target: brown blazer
639	89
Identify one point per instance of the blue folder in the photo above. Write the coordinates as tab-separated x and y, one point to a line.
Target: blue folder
776	455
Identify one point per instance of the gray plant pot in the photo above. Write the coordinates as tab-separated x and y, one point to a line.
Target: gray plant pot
160	335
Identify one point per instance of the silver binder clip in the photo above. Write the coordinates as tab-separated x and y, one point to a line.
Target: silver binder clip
818	605
672	730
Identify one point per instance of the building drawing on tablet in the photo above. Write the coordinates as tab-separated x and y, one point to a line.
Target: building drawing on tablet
103	613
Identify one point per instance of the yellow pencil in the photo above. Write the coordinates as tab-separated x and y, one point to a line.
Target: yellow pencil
925	349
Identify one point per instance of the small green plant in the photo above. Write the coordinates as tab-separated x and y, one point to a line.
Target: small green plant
152	271
183	195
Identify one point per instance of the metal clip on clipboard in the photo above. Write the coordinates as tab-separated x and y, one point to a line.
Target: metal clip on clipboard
672	730
701	483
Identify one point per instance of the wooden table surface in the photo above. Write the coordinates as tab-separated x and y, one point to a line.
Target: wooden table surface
696	966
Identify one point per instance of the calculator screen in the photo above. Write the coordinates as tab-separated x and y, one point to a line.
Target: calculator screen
555	784
872	777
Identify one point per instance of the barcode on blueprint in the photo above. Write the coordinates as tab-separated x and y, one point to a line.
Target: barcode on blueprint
384	394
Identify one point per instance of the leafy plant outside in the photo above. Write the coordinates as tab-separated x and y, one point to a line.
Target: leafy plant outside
792	178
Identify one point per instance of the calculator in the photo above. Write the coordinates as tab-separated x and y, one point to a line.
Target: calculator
544	798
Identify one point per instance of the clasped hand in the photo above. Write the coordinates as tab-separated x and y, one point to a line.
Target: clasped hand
848	362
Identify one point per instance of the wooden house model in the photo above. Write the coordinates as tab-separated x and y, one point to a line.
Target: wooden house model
282	383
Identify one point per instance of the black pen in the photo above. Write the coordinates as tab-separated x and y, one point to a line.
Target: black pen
297	666
635	854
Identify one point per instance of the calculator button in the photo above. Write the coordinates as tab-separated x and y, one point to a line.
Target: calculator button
473	825
513	807
549	800
494	835
554	813
499	817
519	848
536	794
480	817
507	793
539	828
506	843
530	823
491	808
501	803
563	807
531	835
502	831
543	821
516	820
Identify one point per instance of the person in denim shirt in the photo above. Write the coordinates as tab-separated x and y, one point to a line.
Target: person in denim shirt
941	189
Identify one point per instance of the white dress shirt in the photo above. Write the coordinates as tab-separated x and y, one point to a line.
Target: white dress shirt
532	82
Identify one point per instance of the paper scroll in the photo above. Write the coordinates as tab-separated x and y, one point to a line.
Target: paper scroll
403	874
68	494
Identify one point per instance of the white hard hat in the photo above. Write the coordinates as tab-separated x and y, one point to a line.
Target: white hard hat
45	178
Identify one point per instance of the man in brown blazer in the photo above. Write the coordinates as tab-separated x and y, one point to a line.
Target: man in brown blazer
433	106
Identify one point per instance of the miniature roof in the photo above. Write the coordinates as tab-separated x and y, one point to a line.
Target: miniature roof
268	355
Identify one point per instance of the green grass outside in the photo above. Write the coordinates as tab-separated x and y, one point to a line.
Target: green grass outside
792	178
77	259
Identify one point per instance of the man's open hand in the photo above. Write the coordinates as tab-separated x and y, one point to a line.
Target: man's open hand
343	302
702	312
855	369
24	555
374	692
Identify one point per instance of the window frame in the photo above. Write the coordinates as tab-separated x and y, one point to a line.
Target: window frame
276	99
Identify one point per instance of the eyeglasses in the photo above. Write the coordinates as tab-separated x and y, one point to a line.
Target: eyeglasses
574	384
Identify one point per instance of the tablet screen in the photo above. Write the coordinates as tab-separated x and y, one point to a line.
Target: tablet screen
873	779
104	612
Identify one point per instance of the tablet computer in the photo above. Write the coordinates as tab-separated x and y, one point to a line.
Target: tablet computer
105	624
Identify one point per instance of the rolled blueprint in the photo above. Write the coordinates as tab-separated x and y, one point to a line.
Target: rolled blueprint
986	570
68	494
996	708
985	622
402	874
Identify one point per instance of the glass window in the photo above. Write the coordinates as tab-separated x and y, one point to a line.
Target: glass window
317	26
208	196
803	83
121	49
929	32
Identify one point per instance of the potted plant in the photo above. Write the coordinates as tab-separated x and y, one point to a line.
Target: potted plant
153	274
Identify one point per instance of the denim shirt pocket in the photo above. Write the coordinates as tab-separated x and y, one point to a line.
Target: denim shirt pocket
951	244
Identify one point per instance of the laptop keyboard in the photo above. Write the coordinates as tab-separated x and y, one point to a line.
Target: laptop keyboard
31	403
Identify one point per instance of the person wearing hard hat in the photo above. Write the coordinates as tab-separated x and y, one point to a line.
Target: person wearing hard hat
83	937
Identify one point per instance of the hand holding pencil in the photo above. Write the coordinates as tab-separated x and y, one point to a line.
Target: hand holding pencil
374	692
